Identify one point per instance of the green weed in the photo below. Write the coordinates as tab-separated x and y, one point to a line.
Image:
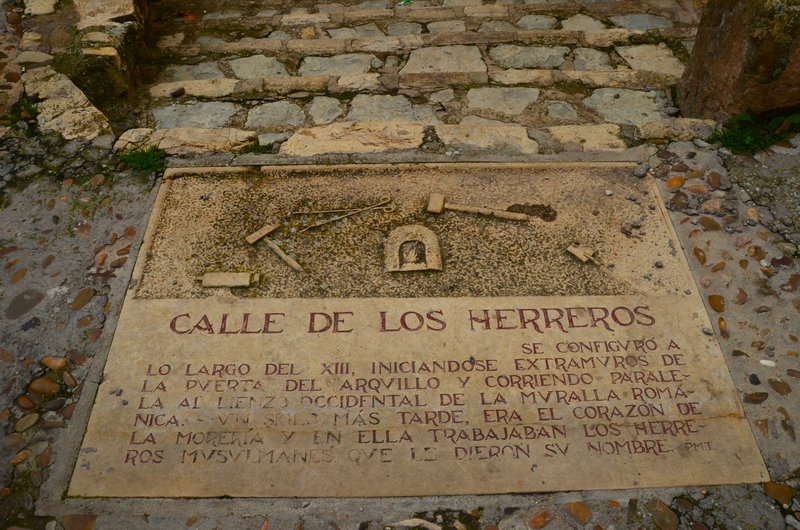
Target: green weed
746	133
150	160
257	149
23	110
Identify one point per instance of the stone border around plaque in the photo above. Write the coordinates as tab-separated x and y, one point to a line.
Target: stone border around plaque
309	396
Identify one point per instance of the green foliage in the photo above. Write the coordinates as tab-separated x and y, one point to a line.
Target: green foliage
747	134
25	109
151	159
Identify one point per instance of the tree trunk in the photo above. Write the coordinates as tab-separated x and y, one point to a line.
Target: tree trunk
746	56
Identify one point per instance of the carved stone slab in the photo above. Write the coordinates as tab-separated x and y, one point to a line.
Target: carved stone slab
417	395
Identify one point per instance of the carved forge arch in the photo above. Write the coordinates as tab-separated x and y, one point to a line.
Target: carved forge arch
412	248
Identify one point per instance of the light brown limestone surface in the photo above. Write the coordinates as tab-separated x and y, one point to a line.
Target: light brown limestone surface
354	137
296	394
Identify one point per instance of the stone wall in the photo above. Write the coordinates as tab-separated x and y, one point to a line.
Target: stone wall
747	56
103	58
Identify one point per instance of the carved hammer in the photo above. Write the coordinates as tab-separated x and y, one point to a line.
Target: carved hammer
260	234
437	204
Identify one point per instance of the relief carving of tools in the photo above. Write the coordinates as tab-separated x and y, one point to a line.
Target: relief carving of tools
437	204
260	234
383	205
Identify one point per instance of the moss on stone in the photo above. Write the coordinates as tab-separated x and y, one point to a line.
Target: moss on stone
778	20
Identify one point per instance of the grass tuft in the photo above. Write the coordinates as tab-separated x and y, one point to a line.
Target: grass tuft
746	133
151	159
257	149
23	110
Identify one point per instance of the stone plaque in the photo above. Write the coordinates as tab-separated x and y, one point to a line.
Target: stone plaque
516	368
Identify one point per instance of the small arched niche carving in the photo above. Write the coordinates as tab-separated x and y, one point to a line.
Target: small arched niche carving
412	248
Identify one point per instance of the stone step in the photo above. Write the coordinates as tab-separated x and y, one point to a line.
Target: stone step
429	31
446	79
293	48
188	163
449	140
478	108
225	89
622	13
423	70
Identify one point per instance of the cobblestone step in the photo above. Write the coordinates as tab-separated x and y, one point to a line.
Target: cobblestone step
327	16
449	77
444	59
379	28
472	135
514	104
365	137
411	141
226	89
606	38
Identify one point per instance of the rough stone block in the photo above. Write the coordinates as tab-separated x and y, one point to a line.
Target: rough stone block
104	12
376	44
540	78
455	59
354	137
486	11
512	139
581	22
64	108
33	57
204	114
626	107
287	85
209	88
186	140
677	129
304	19
368	15
650	58
257	66
606	38
508	101
277	115
323	110
428	82
427	14
40	7
358	83
513	56
346	64
585	138
105	52
312	46
188	72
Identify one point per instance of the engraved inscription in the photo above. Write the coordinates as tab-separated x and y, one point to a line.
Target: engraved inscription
414	387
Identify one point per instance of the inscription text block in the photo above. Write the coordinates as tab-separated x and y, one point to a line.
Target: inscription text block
383	397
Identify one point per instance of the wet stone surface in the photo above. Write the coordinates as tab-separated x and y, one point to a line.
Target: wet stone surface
67	208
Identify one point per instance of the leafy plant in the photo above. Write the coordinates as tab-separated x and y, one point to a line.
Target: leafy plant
150	159
746	133
25	109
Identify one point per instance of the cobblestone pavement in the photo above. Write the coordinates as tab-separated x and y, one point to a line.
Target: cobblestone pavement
270	82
